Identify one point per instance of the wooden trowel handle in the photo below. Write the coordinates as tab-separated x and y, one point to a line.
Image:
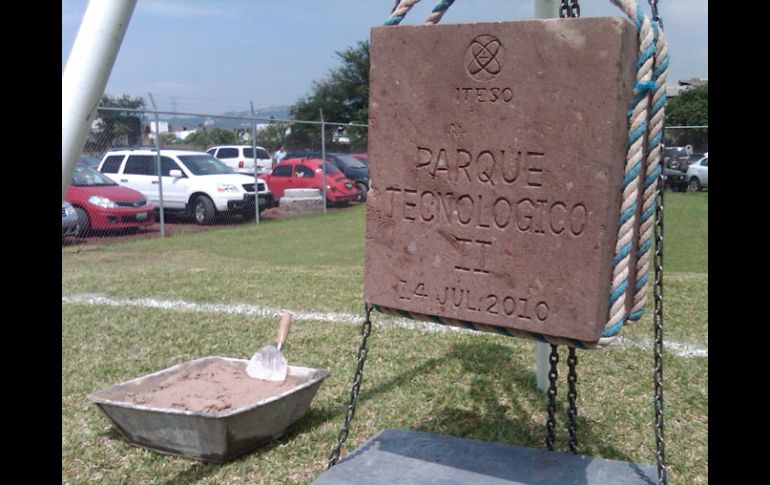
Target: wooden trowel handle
283	328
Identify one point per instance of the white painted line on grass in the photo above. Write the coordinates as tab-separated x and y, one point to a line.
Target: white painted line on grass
679	349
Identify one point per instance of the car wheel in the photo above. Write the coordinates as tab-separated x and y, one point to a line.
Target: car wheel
84	222
204	210
362	188
695	184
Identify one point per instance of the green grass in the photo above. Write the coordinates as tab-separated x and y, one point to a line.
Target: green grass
686	222
471	385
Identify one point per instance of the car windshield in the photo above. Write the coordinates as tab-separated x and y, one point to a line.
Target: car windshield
92	162
204	165
330	169
261	153
87	177
350	162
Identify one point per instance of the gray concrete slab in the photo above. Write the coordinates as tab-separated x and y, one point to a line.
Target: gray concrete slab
411	457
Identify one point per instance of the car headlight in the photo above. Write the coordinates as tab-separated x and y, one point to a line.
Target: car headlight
227	188
101	201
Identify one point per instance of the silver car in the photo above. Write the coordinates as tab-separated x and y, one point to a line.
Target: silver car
69	220
698	174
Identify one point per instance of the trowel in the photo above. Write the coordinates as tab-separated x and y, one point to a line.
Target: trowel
268	363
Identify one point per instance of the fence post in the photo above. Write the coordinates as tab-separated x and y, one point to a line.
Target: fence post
157	167
254	152
323	155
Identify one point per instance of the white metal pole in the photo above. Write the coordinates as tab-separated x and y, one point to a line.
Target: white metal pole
86	73
544	9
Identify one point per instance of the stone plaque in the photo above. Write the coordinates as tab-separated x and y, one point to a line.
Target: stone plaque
497	156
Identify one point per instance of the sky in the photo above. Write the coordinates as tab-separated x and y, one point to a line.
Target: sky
215	56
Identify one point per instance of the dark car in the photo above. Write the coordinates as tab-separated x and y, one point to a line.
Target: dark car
676	158
364	157
674	180
352	167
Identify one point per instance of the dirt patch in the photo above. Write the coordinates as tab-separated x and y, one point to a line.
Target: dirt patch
214	386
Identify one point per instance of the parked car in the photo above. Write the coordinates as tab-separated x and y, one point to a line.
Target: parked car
193	182
676	158
675	180
350	166
241	158
69	220
101	204
698	173
305	173
89	161
362	157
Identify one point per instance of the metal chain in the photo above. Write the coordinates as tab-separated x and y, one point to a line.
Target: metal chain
553	374
569	8
571	397
350	412
660	444
655	15
657	290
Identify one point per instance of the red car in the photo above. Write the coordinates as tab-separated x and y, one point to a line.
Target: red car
102	204
305	173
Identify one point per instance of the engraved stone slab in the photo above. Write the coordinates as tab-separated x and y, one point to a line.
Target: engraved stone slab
497	161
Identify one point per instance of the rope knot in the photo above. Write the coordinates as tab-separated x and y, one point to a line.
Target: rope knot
645	86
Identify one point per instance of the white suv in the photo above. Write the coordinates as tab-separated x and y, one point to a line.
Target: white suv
241	158
192	181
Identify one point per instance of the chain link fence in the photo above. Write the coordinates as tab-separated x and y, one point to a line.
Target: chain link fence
693	139
146	173
685	158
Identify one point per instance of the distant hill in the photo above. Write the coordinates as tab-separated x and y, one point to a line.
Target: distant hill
190	122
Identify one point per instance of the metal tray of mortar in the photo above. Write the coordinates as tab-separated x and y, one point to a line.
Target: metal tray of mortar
217	432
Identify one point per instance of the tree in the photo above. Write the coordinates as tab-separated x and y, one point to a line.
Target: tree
272	136
343	96
217	136
114	128
690	108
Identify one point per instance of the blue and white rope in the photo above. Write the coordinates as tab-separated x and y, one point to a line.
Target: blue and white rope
655	137
438	11
398	13
642	135
403	7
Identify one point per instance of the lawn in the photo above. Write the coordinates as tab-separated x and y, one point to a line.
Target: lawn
462	384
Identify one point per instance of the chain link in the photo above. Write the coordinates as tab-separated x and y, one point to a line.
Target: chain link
571	399
660	444
654	9
553	374
569	8
350	411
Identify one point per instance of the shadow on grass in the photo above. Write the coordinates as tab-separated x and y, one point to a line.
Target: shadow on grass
502	395
197	471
